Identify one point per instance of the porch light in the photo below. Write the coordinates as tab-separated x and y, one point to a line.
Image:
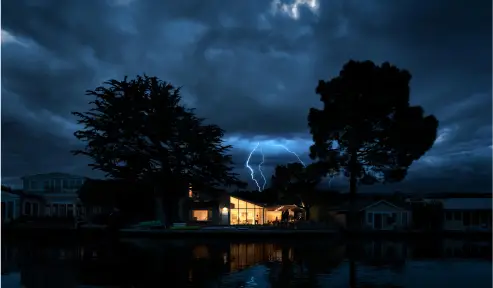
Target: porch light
224	210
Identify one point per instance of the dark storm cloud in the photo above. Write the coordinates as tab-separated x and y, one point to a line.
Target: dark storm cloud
242	67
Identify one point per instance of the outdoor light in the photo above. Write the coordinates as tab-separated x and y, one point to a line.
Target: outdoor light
224	210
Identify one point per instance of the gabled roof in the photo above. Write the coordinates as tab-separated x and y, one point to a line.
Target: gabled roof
467	204
380	202
11	195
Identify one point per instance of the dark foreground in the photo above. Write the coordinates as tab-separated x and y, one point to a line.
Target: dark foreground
48	261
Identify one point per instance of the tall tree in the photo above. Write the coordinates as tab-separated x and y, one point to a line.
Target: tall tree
366	117
138	130
297	183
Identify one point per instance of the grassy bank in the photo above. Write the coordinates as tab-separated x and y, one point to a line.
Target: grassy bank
232	233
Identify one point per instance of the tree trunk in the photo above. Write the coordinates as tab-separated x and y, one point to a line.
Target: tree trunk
352	215
307	213
158	206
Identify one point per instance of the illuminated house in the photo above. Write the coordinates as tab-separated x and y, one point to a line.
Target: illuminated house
231	210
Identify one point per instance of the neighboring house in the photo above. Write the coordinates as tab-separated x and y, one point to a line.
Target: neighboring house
375	215
51	194
11	204
467	214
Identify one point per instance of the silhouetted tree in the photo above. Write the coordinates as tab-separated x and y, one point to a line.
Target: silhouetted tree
138	130
6	188
366	111
296	182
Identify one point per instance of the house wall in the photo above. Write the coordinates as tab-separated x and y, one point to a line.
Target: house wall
244	212
51	194
338	218
455	219
10	207
402	217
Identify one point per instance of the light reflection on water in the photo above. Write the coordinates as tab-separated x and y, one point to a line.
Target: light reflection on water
323	263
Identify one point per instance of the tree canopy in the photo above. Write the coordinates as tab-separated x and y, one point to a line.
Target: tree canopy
366	112
367	127
296	182
138	130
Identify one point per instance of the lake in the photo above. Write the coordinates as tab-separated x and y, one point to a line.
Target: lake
50	262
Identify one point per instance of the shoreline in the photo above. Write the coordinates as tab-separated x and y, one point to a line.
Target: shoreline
91	232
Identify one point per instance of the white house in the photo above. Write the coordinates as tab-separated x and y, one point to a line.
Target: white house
383	215
51	194
375	215
11	204
467	214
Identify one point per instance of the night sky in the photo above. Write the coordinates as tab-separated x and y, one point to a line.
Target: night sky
250	67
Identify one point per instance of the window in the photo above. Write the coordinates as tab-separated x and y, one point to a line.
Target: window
55	210
200	215
27	208
63	210
57	185
34	185
448	215
66	184
370	218
10	210
404	218
467	218
47	186
390	218
457	216
35	209
25	184
70	210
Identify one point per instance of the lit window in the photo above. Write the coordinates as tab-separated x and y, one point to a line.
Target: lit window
190	192
200	215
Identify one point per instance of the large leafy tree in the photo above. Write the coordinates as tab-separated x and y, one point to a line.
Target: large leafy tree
138	130
298	183
368	122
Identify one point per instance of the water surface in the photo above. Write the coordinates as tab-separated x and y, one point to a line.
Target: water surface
220	263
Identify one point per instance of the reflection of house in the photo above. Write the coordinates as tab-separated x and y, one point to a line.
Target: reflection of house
52	194
379	215
463	249
11	204
244	255
385	250
467	214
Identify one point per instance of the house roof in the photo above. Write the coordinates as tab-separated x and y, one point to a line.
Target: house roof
52	175
361	205
467	204
10	195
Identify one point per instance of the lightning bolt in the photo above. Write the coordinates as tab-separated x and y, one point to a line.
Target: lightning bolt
330	180
286	148
247	164
260	168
